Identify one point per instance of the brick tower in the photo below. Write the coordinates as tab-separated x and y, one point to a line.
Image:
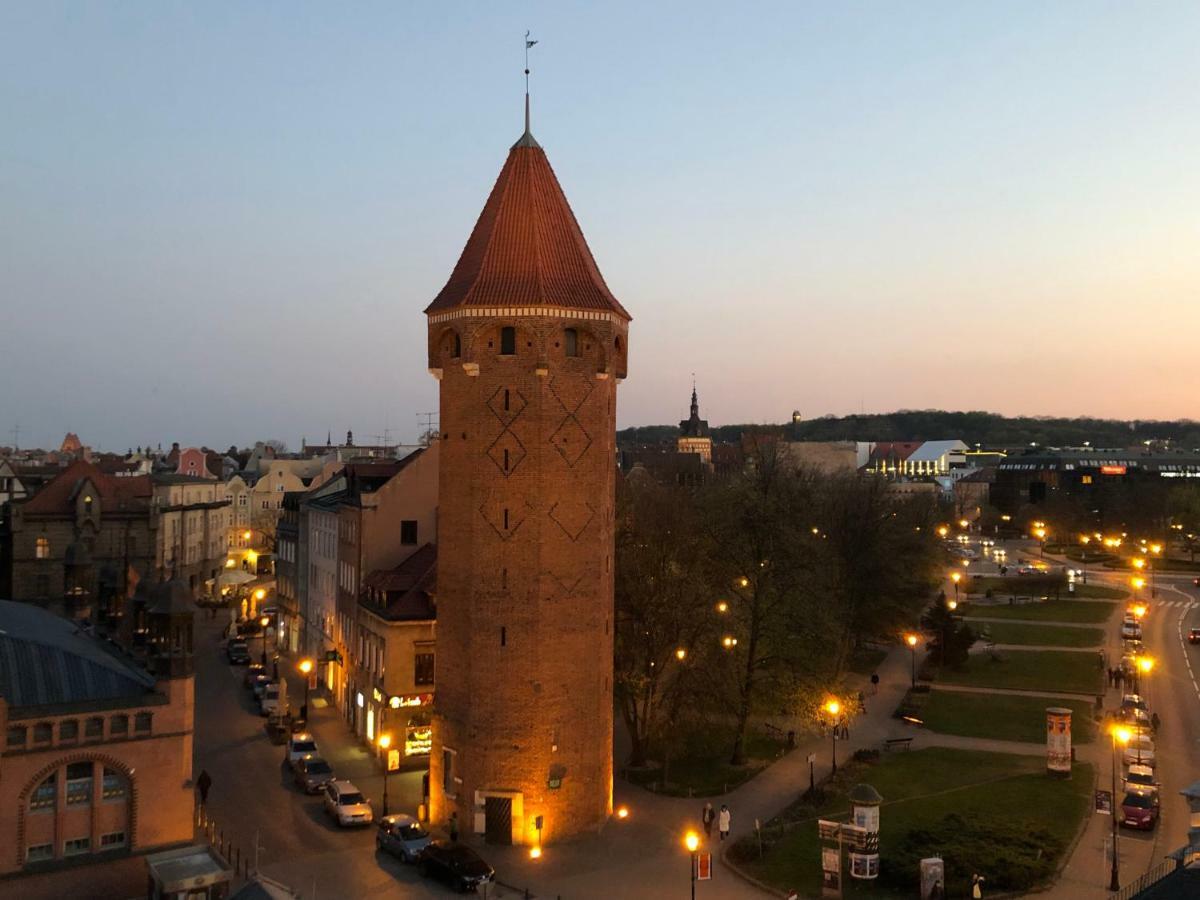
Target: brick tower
528	345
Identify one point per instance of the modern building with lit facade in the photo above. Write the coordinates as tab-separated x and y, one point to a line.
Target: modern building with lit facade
97	756
528	345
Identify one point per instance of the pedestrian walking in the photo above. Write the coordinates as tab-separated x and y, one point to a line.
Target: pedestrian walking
203	783
874	682
862	702
723	821
977	887
1110	677
1155	721
708	815
453	827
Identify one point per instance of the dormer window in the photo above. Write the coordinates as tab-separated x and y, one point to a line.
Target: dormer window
508	341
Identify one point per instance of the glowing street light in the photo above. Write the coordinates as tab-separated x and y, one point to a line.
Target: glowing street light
943	531
305	666
680	653
722	607
263	623
385	741
728	642
911	640
692	841
956	577
622	812
833	708
1120	736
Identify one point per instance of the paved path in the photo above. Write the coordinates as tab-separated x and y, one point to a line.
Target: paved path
1012	692
987	648
1035	622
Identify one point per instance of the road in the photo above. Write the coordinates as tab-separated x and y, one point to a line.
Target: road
252	797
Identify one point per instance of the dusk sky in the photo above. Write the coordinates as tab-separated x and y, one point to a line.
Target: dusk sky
222	221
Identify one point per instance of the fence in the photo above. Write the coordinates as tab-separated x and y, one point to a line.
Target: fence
231	852
1155	875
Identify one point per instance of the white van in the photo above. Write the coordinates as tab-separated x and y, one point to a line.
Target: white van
274	698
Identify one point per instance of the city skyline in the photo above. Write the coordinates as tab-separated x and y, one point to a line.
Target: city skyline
879	209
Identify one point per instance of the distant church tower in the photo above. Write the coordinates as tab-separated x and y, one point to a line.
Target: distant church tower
694	436
528	344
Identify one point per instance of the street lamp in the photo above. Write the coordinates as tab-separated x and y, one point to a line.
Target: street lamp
692	841
1155	550
1119	736
833	708
1040	533
305	667
1084	540
1143	665
264	622
385	741
956	577
911	640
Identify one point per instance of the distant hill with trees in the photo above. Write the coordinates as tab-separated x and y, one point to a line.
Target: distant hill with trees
987	429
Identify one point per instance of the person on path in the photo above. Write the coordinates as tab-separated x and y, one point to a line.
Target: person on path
707	816
453	827
977	887
862	702
874	682
203	783
1155	721
723	820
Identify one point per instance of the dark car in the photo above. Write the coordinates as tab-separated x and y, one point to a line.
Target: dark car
456	865
1194	635
253	670
312	774
237	653
1139	809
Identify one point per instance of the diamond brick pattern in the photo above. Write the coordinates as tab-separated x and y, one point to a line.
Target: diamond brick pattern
570	440
506	452
516	405
572	516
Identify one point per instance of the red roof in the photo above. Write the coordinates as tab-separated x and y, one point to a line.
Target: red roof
900	450
527	249
58	494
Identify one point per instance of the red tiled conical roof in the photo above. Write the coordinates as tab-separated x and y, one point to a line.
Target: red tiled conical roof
526	249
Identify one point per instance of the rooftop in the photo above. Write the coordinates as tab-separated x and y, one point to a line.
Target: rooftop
46	660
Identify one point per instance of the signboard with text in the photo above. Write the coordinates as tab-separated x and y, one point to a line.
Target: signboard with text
1104	803
704	867
1058	740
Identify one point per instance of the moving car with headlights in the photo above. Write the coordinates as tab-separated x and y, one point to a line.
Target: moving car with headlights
300	746
313	774
1139	809
402	836
346	804
1194	635
456	865
253	670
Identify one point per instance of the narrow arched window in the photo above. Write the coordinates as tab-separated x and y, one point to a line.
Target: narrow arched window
571	341
508	341
457	346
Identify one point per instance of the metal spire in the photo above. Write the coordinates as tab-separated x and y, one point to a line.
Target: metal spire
527	139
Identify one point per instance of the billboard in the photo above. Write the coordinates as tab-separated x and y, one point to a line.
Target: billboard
1058	740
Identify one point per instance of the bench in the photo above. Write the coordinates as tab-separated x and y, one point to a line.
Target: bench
897	744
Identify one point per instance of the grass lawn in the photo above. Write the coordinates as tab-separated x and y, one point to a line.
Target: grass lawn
866	660
1088	613
1002	717
1041	635
993	813
705	771
1030	670
1034	585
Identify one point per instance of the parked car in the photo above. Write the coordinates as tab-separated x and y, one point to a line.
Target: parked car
1026	570
1137	701
346	804
274	698
300	746
1196	581
1139	750
259	685
312	774
1139	809
237	653
1131	631
1138	718
253	670
1140	777
402	836
1194	635
455	864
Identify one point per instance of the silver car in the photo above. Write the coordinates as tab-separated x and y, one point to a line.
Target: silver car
346	804
312	774
300	746
402	836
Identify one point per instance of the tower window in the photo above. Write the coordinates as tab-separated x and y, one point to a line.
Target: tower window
571	338
457	346
506	519
508	341
505	460
503	636
506	399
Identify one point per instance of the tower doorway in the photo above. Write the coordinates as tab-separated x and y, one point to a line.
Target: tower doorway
497	820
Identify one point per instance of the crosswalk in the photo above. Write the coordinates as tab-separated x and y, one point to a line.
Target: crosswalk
1178	604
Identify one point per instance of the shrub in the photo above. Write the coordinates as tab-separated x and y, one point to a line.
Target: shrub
866	755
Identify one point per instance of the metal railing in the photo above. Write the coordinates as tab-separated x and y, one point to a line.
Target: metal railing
1155	875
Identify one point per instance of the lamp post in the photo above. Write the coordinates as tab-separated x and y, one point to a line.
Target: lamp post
264	622
385	741
305	667
1155	550
1119	736
951	606
1143	665
1040	533
833	708
956	577
911	640
692	842
1084	540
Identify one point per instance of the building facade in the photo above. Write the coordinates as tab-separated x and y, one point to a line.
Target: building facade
97	754
694	436
528	345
